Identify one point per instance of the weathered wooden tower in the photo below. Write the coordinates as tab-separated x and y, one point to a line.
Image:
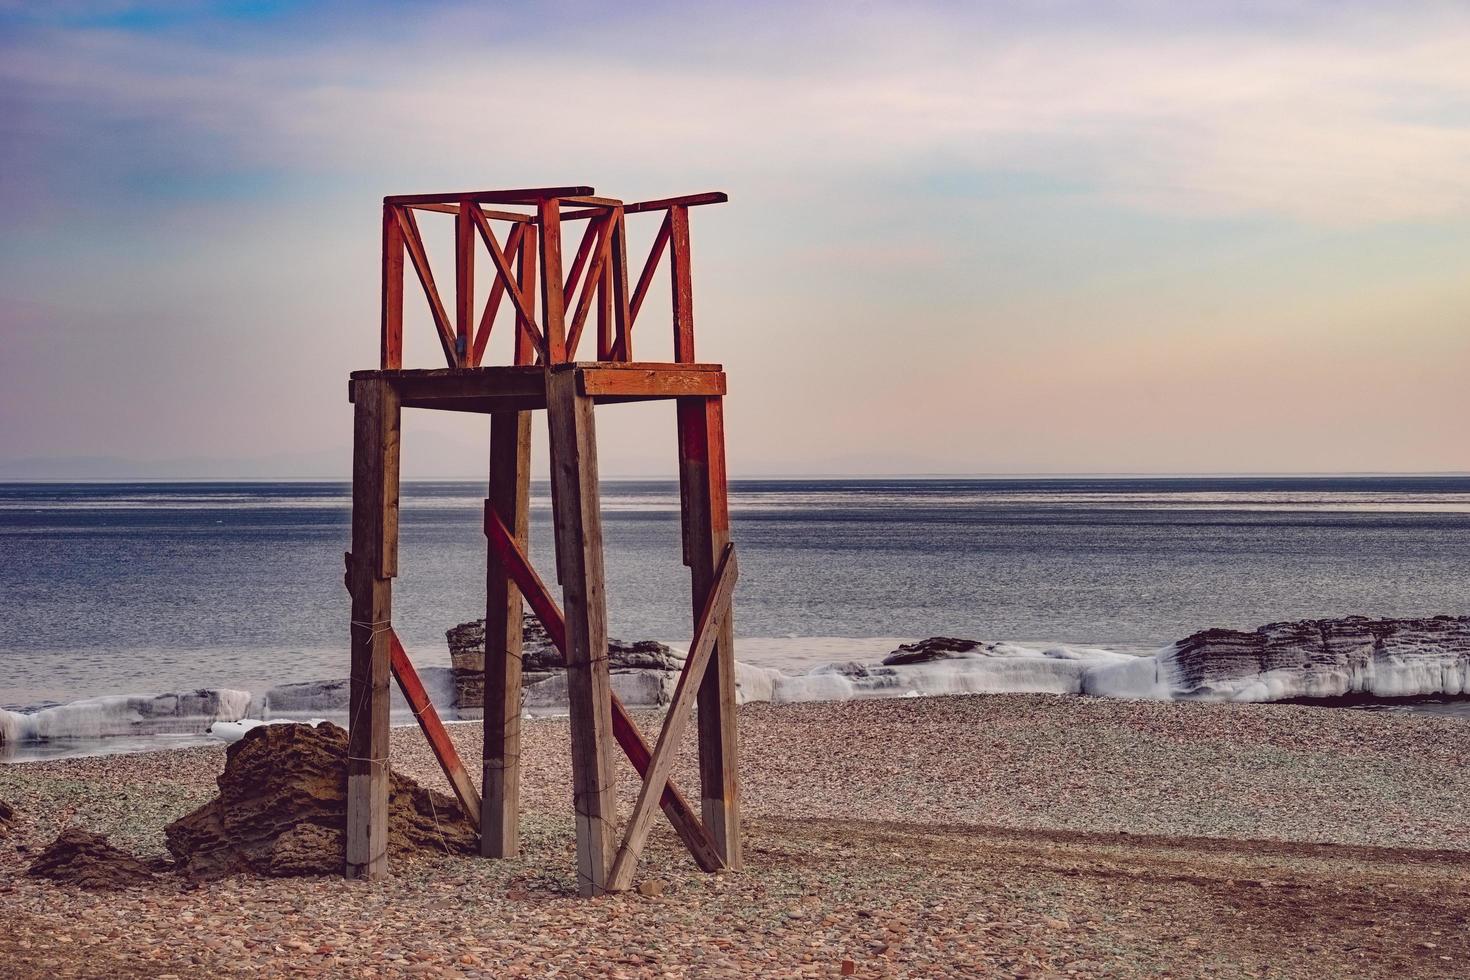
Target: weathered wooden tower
545	375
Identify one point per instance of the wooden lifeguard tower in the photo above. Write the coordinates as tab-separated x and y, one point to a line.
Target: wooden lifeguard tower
526	256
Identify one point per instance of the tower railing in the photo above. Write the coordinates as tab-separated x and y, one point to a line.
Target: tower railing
526	263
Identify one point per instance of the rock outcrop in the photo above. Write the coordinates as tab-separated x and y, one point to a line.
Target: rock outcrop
282	809
1323	658
542	666
934	648
80	857
1313	659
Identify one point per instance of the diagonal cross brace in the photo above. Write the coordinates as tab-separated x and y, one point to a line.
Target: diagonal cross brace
429	722
681	815
711	618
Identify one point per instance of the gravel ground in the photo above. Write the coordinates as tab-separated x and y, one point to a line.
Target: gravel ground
1005	835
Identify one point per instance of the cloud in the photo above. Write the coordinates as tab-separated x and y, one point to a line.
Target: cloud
1002	227
1359	120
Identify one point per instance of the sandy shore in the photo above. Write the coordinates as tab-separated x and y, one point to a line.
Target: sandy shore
1005	835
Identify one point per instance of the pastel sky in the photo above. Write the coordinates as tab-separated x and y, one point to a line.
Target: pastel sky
961	238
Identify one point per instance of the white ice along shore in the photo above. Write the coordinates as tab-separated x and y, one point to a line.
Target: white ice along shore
1312	659
117	715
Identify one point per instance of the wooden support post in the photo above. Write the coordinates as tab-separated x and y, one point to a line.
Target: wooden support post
706	518
553	300
391	341
621	347
464	281
525	349
509	498
605	314
682	280
579	550
375	545
428	718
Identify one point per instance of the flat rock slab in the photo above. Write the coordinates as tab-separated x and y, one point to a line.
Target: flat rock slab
80	857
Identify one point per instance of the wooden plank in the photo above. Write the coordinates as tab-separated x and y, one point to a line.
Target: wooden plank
716	608
464	282
676	807
509	501
687	201
578	523
522	195
591	200
374	542
434	731
525	343
705	514
650	382
415	245
489	406
553	300
501	380
526	319
492	302
650	266
605	336
584	249
487	212
682	282
621	348
390	347
619	366
594	275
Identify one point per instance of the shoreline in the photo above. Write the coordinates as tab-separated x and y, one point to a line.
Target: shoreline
1002	832
1352	661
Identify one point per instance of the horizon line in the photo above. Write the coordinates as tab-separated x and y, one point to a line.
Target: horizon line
625	477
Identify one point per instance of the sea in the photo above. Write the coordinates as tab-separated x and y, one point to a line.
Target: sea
113	588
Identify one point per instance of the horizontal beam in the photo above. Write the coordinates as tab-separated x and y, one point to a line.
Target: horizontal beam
493	215
511	388
688	201
663	204
506	381
649	383
523	195
588	199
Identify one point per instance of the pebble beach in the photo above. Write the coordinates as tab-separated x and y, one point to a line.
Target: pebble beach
1000	835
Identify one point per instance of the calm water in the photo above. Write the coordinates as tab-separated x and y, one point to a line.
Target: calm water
147	587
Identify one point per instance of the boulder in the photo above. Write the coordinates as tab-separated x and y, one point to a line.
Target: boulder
934	648
80	857
542	661
282	810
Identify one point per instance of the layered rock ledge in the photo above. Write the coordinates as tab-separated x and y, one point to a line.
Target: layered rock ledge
282	809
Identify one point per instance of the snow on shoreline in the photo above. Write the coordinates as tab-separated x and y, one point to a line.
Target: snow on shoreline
1310	659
